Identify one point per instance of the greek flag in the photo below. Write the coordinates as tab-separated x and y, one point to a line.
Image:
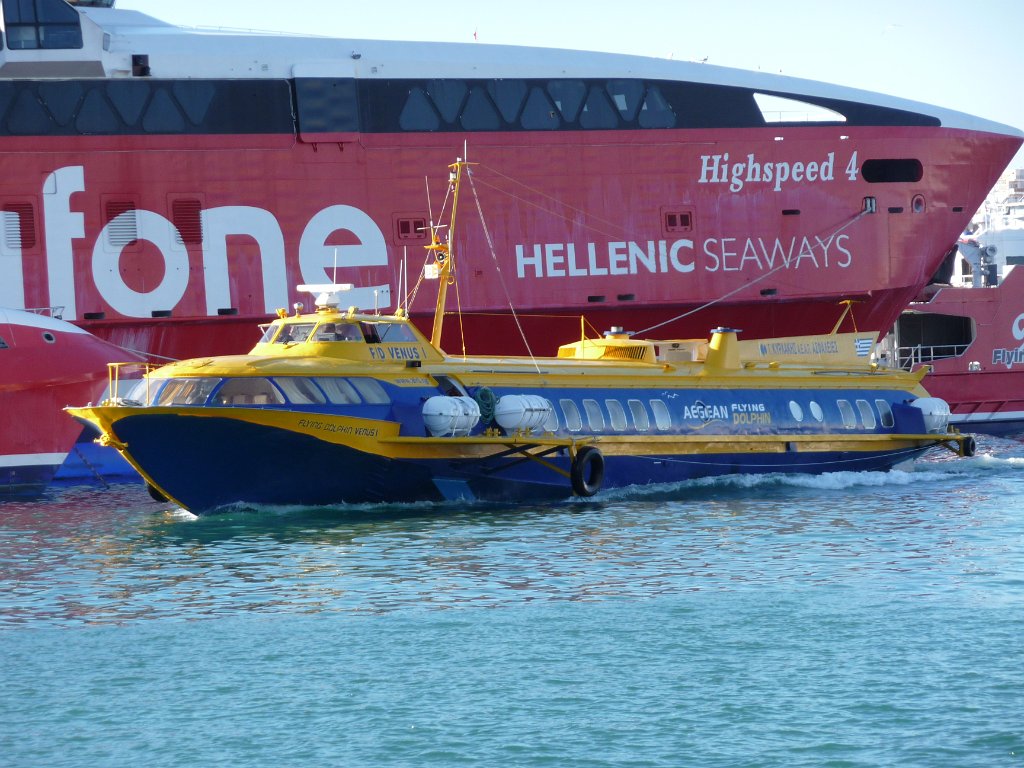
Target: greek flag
863	346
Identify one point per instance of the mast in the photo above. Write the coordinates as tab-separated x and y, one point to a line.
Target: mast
443	255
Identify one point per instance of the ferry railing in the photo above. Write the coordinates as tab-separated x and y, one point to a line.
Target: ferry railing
57	313
123	380
922	354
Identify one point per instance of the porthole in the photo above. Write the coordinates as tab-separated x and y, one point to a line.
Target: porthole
917	204
796	410
816	411
49	338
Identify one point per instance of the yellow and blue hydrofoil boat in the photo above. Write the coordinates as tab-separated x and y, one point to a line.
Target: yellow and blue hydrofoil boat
349	406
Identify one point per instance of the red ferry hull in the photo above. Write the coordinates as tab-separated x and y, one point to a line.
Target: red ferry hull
984	385
47	364
581	229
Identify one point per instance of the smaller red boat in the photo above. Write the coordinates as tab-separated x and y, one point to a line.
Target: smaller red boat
45	364
973	339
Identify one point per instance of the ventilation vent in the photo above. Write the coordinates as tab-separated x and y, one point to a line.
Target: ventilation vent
411	229
186	215
19	234
123	225
638	352
677	221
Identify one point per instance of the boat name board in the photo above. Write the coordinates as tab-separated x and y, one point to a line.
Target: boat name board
718	169
736	253
737	413
1012	356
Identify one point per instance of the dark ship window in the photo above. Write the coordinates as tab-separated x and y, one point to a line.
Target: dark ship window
51	24
892	171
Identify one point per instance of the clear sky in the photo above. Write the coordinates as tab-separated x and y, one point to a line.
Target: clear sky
967	56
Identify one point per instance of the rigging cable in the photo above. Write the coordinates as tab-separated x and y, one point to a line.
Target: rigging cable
497	268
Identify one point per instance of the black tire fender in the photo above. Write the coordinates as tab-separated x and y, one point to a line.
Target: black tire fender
969	446
587	471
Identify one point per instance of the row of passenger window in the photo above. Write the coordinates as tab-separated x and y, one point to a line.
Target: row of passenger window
297	390
639	419
617	418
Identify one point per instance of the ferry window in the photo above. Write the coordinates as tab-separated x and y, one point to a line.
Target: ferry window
448	96
371	390
626	94
268	332
391	332
866	414
49	24
293	333
539	114
248	391
885	412
573	422
568	97
300	391
141	392
450	387
418	113
508	96
595	418
338	332
326	105
796	410
338	391
640	418
846	411
479	114
656	112
617	414
187	391
598	111
662	417
780	109
551	421
816	411
892	171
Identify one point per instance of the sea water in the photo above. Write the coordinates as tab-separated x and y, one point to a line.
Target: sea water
844	620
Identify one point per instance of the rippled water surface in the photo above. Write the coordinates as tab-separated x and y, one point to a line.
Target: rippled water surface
844	620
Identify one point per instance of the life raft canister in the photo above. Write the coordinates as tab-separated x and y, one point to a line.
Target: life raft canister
587	471
450	416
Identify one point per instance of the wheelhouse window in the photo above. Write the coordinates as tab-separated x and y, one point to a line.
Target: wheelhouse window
338	332
187	391
376	333
293	333
141	392
248	391
51	24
